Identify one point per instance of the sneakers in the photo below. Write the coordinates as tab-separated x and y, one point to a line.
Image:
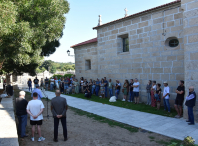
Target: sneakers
41	139
123	99
32	138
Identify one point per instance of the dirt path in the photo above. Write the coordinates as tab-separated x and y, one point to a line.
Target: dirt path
84	131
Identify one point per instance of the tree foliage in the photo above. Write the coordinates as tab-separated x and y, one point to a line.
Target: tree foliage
28	28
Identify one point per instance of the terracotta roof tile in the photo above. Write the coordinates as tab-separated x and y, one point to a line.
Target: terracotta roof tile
177	1
86	42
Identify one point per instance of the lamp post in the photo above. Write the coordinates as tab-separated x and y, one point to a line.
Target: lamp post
68	52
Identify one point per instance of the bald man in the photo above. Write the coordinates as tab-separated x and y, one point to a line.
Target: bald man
59	108
190	103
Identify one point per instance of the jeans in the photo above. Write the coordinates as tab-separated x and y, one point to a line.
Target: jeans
93	90
117	91
190	115
97	90
148	98
22	125
46	86
51	87
35	86
105	91
166	104
56	123
30	87
111	92
65	87
131	96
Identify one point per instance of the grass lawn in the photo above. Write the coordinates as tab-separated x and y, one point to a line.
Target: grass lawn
138	107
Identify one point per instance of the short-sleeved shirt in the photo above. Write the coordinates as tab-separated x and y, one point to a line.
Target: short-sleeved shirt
52	81
97	83
38	91
130	85
154	87
81	82
157	91
66	82
110	85
119	85
35	106
106	83
36	81
181	88
46	81
166	90
136	89
21	105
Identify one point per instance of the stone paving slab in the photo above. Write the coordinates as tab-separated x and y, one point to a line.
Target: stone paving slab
171	127
8	130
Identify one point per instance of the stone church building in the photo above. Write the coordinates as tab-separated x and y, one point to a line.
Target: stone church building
157	44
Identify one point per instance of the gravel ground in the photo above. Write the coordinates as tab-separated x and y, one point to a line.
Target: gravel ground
84	131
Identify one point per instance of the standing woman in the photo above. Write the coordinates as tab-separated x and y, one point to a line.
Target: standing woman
90	85
148	89
76	85
97	86
153	90
158	92
102	88
81	84
94	87
56	82
30	84
131	91
126	87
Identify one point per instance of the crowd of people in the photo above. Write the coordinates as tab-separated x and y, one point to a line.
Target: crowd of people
100	88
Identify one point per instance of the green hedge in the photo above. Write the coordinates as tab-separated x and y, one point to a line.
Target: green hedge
60	76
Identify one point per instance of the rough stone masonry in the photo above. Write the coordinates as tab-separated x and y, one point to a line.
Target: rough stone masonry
150	56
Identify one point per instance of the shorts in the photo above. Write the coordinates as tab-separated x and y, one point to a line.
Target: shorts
179	101
36	122
136	94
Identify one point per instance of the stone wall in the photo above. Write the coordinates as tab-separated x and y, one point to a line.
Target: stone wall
83	53
148	58
190	17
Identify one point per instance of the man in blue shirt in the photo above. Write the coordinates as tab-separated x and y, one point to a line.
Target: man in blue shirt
97	86
38	91
106	84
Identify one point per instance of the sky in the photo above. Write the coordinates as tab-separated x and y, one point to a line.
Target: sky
83	16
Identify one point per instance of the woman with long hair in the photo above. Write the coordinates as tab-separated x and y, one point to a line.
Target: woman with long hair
153	90
126	87
30	84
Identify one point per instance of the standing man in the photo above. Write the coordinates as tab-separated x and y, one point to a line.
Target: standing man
106	85
190	103
34	109
38	91
131	91
97	86
179	99
59	108
36	82
46	83
51	83
165	97
21	113
117	88
136	90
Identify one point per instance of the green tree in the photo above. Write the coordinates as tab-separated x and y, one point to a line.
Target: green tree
53	69
27	27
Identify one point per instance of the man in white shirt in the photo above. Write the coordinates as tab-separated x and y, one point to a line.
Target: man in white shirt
51	83
166	94
136	90
34	109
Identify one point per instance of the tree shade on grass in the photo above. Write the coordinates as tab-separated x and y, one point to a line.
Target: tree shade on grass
138	107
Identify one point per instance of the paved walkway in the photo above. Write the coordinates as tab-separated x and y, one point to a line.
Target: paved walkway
8	130
171	127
